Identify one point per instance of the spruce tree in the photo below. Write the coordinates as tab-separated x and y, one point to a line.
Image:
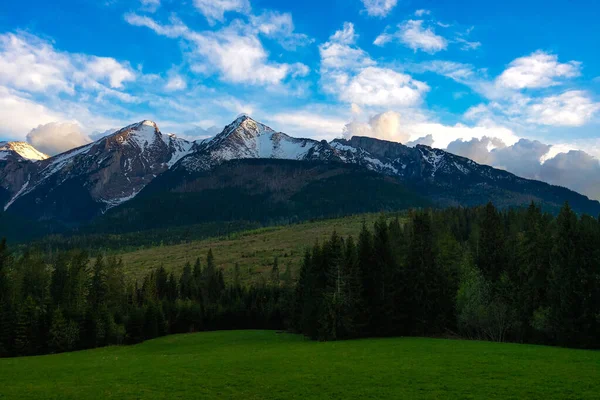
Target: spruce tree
491	250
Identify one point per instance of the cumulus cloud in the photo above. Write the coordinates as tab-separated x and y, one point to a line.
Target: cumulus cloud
340	54
421	12
108	68
383	87
349	72
379	8
538	70
425	140
572	108
55	138
385	126
239	58
576	170
478	150
416	37
214	10
31	64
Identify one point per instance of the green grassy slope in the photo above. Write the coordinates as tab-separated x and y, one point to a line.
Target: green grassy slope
267	365
253	250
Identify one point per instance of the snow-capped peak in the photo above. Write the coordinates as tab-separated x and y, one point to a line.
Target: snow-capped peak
23	149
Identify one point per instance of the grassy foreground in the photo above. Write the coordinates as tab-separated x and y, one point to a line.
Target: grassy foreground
254	251
267	365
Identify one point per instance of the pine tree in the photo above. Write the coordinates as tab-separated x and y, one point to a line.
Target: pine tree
491	251
59	280
186	282
59	335
563	287
98	286
26	329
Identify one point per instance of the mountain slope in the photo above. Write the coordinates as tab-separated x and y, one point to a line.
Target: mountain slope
17	163
451	180
267	191
84	182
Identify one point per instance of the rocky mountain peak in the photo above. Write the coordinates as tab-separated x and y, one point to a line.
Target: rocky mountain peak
21	149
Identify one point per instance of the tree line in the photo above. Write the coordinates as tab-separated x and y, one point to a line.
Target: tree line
71	302
513	275
516	275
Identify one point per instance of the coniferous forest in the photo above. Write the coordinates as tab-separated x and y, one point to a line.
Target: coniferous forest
479	273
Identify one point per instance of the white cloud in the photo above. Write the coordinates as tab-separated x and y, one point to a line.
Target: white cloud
572	108
379	8
280	26
55	138
31	64
234	52
459	72
476	149
383	87
214	10
316	125
413	35
339	53
467	45
385	126
421	12
340	59
28	63
538	70
19	114
425	141
348	72
176	29
108	68
238	57
445	134
346	35
175	82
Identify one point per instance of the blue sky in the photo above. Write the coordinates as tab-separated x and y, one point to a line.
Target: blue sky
393	69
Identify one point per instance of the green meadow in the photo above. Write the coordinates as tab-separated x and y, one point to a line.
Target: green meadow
254	250
270	365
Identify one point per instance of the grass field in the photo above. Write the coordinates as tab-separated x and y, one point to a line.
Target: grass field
253	250
269	365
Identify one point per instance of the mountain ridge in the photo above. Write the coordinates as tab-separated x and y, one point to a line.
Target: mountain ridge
81	184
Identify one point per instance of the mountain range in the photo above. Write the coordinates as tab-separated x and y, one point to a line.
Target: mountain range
138	178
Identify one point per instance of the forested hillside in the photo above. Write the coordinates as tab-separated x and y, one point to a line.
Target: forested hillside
518	275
